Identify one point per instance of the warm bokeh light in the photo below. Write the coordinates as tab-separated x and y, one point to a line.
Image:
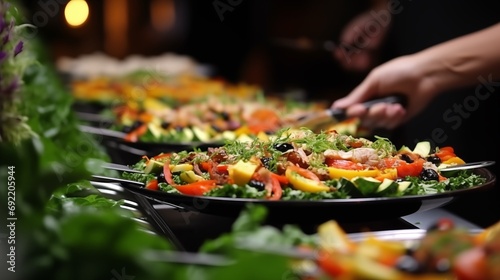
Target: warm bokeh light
76	12
116	25
162	14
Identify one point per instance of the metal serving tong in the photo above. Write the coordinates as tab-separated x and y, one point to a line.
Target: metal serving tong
133	186
470	165
318	120
119	167
101	131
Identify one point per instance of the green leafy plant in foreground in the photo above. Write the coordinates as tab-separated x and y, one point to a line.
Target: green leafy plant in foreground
57	234
13	126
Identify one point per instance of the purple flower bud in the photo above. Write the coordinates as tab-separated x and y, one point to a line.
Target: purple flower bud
2	24
18	48
6	38
3	55
11	88
8	32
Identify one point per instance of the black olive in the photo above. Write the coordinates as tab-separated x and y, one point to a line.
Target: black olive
225	116
130	128
165	125
410	250
216	128
161	178
257	184
265	161
429	175
136	124
127	129
406	158
434	159
283	147
409	264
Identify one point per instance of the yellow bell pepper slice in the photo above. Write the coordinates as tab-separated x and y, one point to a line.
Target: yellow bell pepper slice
389	173
242	172
333	238
454	160
301	183
181	167
337	173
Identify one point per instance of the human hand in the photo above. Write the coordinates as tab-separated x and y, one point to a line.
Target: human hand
404	75
360	42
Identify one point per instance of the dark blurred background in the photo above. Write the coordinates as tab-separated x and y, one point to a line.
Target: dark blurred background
235	38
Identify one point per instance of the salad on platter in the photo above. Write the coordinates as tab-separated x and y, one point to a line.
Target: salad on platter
444	251
298	164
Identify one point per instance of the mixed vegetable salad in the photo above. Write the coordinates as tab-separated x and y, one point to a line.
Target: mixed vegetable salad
444	251
141	84
301	164
150	107
209	119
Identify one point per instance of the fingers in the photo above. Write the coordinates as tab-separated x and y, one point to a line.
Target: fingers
363	92
357	110
380	115
384	115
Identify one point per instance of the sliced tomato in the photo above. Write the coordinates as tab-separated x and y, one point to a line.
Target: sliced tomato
222	169
161	156
306	173
447	149
410	169
391	162
133	136
330	264
283	180
152	185
213	169
276	190
271	182
441	178
343	164
197	188
206	165
470	265
168	174
445	153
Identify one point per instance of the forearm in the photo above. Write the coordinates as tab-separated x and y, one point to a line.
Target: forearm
461	61
379	3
